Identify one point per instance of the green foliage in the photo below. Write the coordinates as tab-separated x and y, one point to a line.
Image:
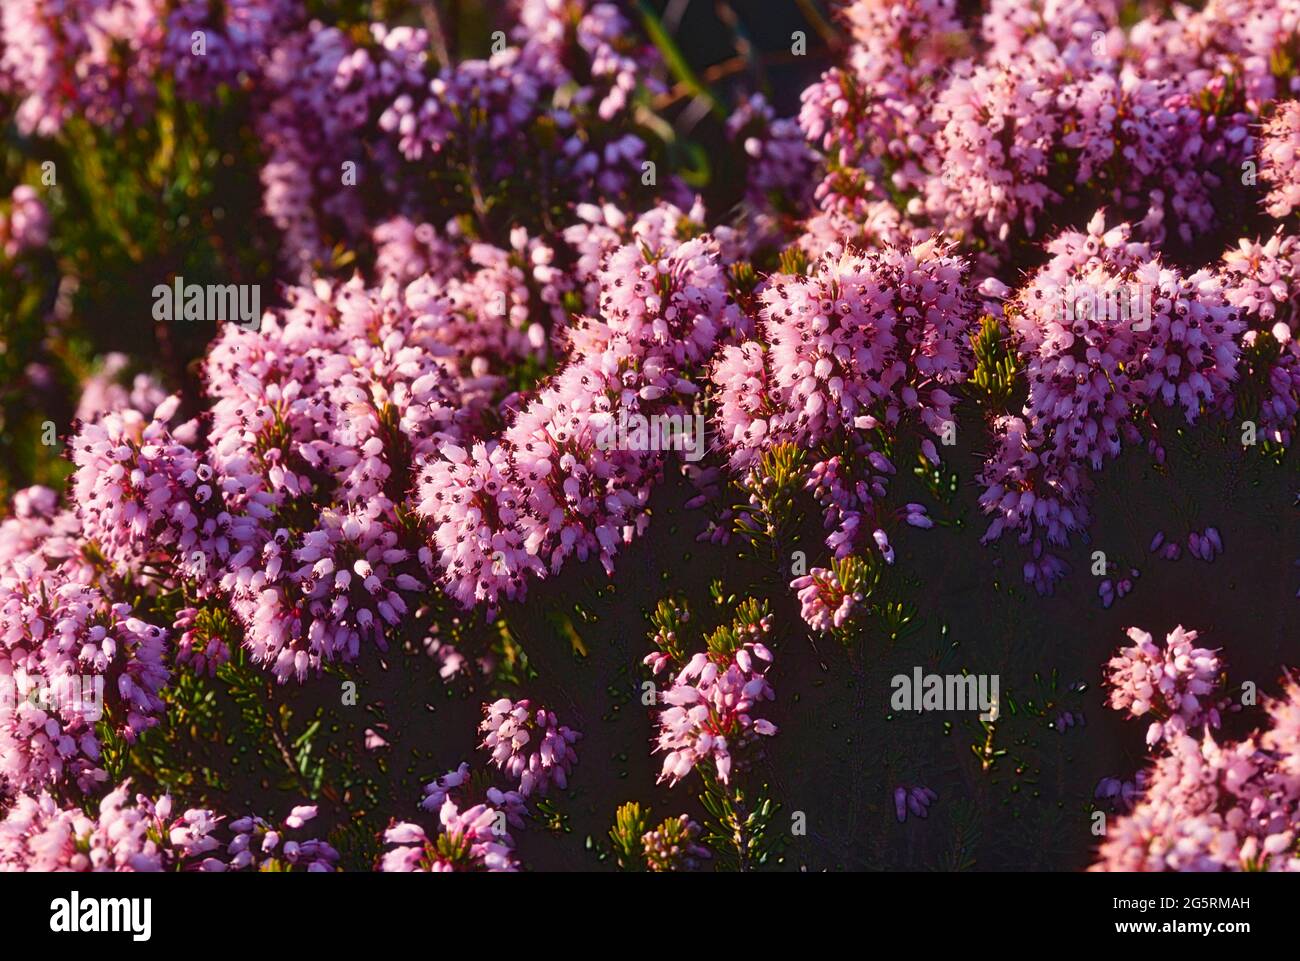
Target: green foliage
794	261
941	482
769	519
671	838
899	618
747	620
994	381
743	279
279	731
964	841
1018	748
630	825
549	817
857	574
751	620
667	620
513	666
358	842
740	825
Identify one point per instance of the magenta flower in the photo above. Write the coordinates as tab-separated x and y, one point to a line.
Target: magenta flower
53	628
1277	152
672	846
1174	683
469	840
140	834
1261	280
710	711
824	602
97	58
1211	807
27	224
1107	330
915	801
529	745
863	342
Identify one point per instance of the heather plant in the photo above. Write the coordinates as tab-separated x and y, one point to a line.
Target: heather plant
1203	805
983	318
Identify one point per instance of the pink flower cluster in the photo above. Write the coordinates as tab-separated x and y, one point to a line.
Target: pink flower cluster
101	59
322	96
91	57
437	791
1207	806
1107	330
140	834
870	116
1263	281
529	745
1175	683
709	716
445	425
295	507
41	538
975	139
1278	157
549	488
824	602
567	82
468	840
474	819
864	341
942	140
318	420
52	630
26	226
780	168
143	495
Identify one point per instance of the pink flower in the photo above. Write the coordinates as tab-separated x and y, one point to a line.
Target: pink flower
141	834
142	493
914	800
1277	153
51	628
1211	807
96	58
710	711
885	331
1106	330
824	602
1262	281
1174	683
529	745
672	846
27	225
474	839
